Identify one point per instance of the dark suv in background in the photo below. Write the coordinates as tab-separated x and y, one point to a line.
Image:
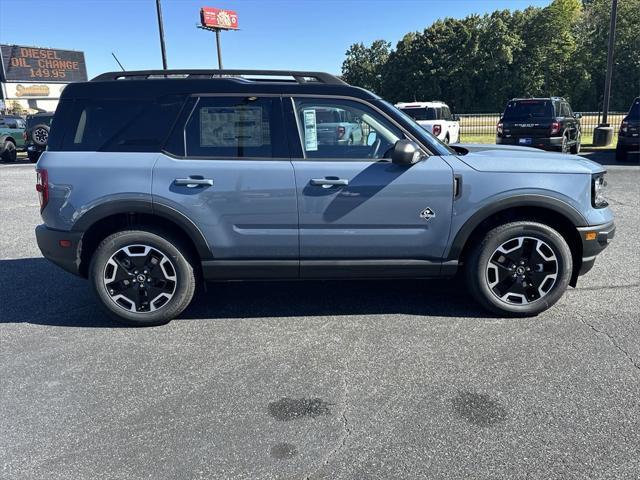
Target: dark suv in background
36	134
629	134
546	123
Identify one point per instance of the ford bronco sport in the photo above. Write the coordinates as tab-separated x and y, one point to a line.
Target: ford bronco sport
153	179
545	123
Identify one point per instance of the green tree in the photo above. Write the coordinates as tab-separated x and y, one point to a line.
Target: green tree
363	65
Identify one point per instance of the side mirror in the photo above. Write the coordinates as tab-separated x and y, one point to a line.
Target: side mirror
578	116
406	152
455	117
371	138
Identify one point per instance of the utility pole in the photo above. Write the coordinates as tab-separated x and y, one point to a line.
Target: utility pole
161	30
603	133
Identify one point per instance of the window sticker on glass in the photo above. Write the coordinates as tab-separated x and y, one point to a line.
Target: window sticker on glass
231	126
310	130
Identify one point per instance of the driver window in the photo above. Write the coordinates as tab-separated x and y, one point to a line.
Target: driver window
344	130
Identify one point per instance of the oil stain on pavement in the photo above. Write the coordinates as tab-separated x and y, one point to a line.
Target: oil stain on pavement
479	409
287	409
282	451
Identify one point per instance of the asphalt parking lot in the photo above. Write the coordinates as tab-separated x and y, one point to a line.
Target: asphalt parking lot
335	380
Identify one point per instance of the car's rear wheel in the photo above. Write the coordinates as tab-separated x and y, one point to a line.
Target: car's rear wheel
9	152
621	154
142	277
446	139
519	269
564	148
33	156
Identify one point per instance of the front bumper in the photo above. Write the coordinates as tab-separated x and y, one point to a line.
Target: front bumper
67	258
594	240
542	142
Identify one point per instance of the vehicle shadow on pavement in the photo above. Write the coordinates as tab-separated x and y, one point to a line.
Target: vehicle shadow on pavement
38	292
608	157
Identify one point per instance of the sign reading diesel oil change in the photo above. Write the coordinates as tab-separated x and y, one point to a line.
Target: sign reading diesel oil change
31	64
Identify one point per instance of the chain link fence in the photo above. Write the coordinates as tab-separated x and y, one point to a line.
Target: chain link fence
485	123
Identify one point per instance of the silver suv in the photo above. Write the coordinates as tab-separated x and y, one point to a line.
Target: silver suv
155	179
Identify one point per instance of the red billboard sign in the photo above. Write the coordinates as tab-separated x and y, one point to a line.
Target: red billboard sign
218	18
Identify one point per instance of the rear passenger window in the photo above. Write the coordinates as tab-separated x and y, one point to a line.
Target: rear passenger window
120	125
234	127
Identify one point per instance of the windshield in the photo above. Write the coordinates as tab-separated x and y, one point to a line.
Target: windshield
420	113
634	112
524	109
432	143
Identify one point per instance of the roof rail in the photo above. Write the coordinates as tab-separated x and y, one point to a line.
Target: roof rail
296	76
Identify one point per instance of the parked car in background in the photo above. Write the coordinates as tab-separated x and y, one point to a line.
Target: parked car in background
149	183
11	137
336	126
546	123
629	133
36	134
435	117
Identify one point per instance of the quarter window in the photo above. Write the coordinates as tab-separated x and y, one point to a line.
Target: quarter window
344	129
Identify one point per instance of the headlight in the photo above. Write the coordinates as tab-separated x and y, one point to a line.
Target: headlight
598	191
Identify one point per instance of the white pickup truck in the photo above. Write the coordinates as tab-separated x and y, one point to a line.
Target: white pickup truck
434	117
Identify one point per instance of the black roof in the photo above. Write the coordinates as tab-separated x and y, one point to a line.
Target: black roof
157	83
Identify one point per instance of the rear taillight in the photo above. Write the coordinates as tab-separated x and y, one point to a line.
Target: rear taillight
42	187
555	127
499	128
437	129
624	127
341	132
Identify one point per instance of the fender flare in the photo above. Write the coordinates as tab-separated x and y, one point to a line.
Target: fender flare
525	200
4	138
145	206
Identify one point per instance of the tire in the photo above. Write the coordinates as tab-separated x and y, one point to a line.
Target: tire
161	265
564	148
488	269
575	148
33	156
446	139
9	153
621	154
40	134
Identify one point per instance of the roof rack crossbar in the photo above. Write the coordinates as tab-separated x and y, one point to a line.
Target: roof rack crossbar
298	76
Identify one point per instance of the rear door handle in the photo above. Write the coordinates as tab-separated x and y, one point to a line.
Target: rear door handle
329	182
193	182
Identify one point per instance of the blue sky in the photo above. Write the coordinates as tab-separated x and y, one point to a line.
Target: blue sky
279	34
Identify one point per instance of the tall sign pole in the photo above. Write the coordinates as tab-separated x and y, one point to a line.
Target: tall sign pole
216	20
219	49
607	81
603	133
161	30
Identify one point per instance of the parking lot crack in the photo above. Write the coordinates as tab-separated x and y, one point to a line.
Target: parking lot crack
346	427
613	341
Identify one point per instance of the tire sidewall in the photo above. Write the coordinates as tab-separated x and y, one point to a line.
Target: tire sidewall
9	153
535	230
160	241
33	137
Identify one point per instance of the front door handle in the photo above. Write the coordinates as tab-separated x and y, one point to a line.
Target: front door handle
329	182
193	182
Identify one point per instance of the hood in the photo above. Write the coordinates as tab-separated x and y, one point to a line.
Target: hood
507	158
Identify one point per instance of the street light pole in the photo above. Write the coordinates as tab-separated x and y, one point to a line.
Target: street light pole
161	30
603	133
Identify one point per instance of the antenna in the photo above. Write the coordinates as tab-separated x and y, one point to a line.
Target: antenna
114	56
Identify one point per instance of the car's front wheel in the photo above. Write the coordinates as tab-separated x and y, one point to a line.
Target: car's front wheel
142	277
9	152
519	268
